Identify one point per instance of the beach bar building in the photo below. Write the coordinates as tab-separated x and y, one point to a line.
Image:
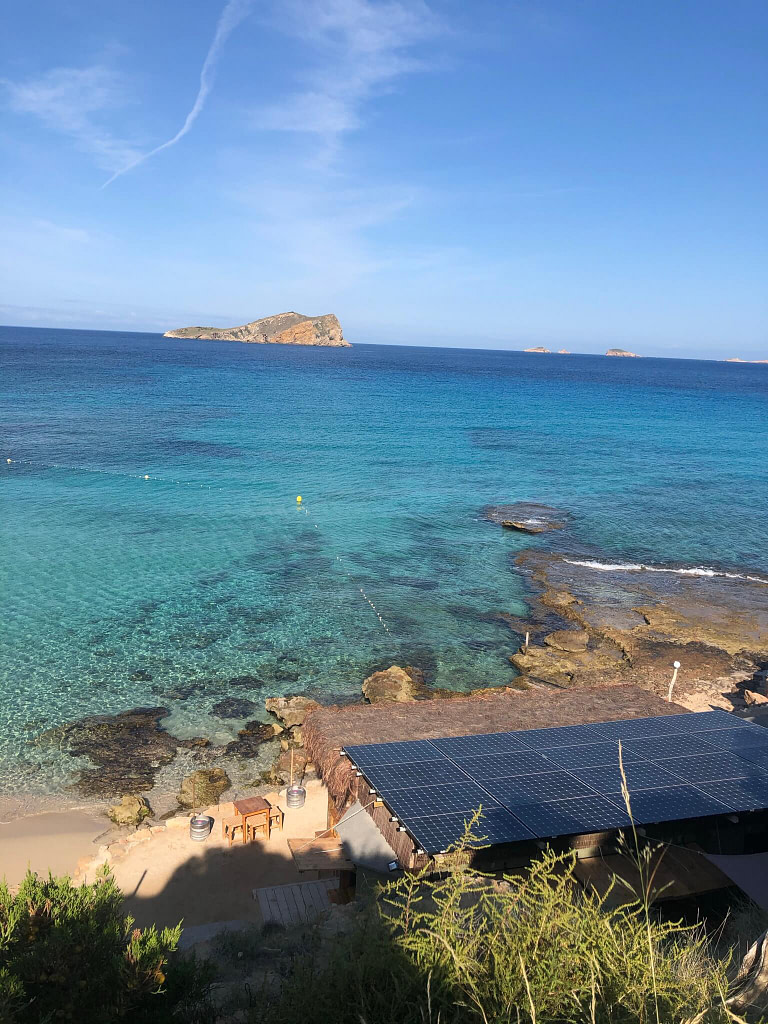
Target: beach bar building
548	768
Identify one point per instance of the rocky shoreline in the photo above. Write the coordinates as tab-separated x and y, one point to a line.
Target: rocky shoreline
588	624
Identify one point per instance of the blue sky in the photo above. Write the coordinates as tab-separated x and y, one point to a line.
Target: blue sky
483	173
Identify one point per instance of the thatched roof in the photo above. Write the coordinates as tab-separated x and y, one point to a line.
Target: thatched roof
327	730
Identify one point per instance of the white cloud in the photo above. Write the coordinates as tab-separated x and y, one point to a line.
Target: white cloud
234	12
360	48
70	101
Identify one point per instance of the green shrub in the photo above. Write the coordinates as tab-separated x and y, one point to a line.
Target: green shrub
534	949
68	953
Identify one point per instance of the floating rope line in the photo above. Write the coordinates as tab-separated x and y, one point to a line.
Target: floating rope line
186	483
349	576
111	472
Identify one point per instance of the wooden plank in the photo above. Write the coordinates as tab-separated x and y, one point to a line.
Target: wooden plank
287	913
295	901
319	855
317	894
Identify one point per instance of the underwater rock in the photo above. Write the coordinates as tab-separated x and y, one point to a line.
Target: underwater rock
291	711
131	810
233	707
141	676
250	739
203	787
127	749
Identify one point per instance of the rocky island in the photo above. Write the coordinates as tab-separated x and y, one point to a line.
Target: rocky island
539	348
282	329
622	352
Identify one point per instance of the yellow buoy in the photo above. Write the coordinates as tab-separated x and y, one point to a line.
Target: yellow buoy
9	460
298	498
146	476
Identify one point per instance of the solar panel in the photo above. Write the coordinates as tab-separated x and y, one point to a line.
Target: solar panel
526	789
747	794
564	736
547	782
435	833
420	773
633	728
496	766
402	752
640	775
655	747
591	754
703	721
565	817
710	767
738	740
427	800
475	746
672	803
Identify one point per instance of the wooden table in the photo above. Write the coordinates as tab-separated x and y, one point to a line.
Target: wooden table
253	807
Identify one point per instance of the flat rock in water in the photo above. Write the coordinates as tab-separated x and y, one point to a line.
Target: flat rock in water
527	516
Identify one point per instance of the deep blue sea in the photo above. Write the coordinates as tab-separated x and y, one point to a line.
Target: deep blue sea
152	549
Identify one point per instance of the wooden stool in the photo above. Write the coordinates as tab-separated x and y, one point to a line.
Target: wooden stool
276	817
255	823
228	827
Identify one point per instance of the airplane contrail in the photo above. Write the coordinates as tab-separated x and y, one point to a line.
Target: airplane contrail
234	12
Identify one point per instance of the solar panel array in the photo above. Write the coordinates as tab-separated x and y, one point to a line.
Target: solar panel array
542	783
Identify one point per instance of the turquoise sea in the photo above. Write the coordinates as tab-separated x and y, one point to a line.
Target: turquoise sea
152	551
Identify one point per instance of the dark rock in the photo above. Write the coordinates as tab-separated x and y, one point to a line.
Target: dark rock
251	738
127	749
141	676
252	682
233	707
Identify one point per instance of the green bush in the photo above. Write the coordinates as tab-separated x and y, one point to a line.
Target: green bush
533	949
67	953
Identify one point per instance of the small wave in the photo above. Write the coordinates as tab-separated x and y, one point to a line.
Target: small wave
696	570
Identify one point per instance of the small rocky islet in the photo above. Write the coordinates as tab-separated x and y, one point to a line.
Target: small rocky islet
281	329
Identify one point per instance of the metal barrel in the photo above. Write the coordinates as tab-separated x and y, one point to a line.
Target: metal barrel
295	796
200	827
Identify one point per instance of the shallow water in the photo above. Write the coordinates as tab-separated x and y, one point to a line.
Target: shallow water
208	578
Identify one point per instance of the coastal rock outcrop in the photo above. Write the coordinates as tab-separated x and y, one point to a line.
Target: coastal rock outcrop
203	787
291	711
131	810
394	684
281	329
622	352
538	348
638	624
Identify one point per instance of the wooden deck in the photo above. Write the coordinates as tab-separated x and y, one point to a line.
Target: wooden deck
295	904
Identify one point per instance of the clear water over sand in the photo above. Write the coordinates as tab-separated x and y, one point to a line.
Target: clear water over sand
209	579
